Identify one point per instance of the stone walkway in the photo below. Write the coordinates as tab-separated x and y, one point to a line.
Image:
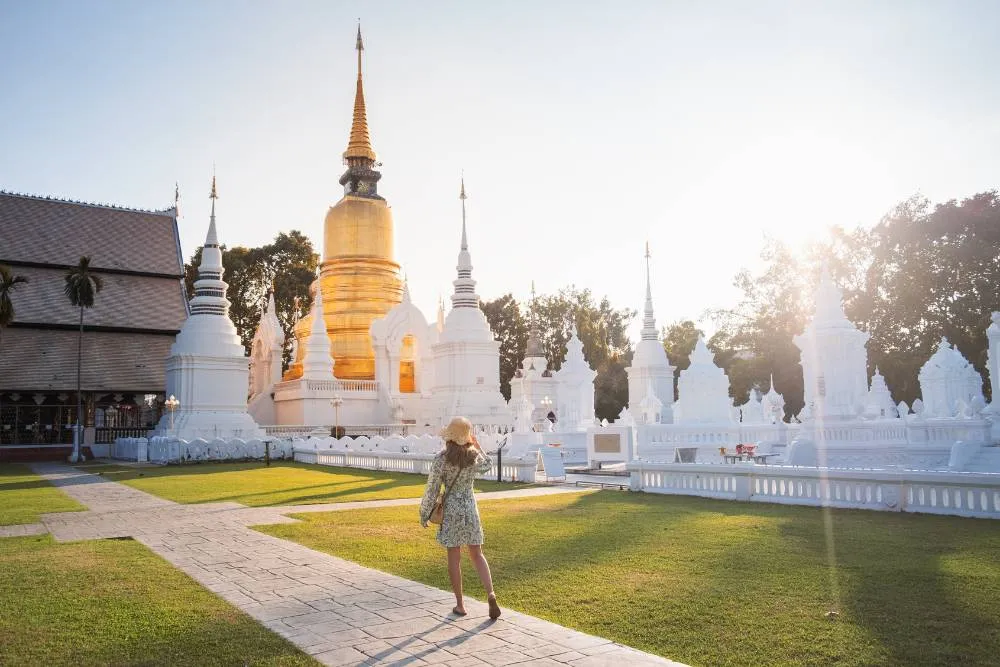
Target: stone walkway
338	611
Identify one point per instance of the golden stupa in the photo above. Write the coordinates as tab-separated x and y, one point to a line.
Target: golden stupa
359	275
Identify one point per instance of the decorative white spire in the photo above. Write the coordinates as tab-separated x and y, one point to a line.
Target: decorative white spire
209	289
406	289
212	238
270	326
318	364
649	331
534	346
440	317
465	287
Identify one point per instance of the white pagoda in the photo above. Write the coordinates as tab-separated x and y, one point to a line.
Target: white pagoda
208	371
650	369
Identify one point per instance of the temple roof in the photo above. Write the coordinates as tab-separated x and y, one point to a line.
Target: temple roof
120	362
125	302
35	230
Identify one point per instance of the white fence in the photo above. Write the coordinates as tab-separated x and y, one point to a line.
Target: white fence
172	450
961	494
513	470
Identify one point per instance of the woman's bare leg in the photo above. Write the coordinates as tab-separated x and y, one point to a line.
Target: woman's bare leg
482	568
455	574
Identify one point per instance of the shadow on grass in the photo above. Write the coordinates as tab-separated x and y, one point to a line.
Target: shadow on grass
890	573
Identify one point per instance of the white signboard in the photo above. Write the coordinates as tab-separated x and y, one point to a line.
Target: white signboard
550	462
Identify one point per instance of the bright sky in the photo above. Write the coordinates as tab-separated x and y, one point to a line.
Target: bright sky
584	129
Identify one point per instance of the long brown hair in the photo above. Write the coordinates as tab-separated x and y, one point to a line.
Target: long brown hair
459	455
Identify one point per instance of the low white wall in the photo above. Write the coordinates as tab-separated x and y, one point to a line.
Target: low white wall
172	450
513	470
961	494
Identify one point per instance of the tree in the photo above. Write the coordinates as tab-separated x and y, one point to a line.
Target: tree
679	340
8	283
603	330
931	273
511	330
81	287
287	266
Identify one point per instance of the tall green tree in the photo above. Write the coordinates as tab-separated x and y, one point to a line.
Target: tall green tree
8	283
603	330
81	288
679	340
511	330
287	266
932	272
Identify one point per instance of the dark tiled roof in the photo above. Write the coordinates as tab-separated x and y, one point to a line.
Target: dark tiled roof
41	360
133	302
52	231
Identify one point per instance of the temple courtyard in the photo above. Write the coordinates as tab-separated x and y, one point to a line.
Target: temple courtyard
296	564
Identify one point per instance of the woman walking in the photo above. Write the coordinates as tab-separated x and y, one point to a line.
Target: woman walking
455	468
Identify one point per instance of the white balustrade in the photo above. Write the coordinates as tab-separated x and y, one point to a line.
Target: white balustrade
963	494
419	463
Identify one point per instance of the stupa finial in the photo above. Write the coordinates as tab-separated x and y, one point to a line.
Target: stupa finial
359	145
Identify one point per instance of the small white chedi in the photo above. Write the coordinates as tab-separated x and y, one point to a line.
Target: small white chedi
834	358
703	391
650	369
207	370
950	385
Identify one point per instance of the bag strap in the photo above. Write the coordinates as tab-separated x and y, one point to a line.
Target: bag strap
447	487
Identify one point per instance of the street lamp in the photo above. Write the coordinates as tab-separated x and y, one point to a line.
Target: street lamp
171	405
336	402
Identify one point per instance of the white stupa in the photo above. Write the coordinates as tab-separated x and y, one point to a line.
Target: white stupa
993	364
834	359
948	382
879	403
317	362
650	369
207	370
535	383
467	356
576	388
773	404
703	390
265	363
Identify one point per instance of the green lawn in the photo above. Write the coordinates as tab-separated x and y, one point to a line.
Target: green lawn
114	602
24	496
280	484
714	582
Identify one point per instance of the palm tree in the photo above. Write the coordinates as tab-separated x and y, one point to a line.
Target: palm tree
82	285
8	283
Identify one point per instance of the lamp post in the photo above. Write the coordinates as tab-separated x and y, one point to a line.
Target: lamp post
171	405
336	402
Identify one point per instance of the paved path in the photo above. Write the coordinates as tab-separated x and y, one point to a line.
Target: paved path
336	610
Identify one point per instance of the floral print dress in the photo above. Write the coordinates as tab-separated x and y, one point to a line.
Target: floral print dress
460	524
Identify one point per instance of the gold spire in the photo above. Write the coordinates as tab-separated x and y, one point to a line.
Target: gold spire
359	145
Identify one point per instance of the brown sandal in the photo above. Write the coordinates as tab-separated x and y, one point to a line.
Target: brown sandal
458	613
494	607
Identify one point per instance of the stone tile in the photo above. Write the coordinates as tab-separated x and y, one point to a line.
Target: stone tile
402	613
414	626
23	530
341	656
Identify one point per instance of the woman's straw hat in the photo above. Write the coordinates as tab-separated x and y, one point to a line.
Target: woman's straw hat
459	431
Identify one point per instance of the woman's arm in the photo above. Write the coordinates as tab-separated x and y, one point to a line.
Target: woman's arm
433	488
483	460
